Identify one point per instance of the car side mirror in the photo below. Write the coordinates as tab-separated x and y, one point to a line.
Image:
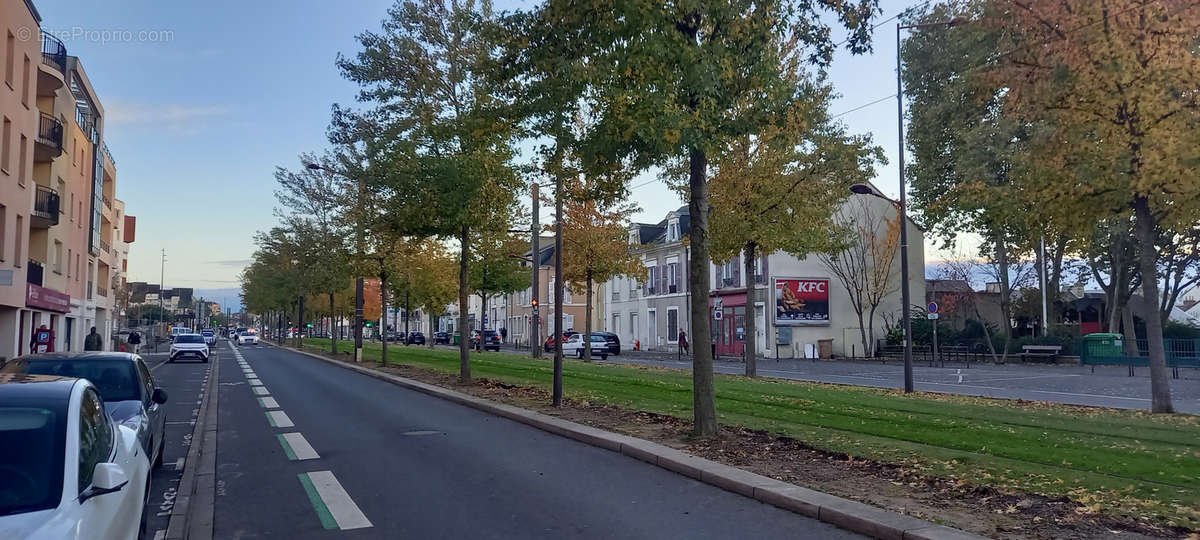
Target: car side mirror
159	396
106	478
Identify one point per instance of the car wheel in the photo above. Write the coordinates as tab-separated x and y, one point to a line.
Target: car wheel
604	357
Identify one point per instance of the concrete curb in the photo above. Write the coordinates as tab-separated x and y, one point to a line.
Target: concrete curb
192	514
847	514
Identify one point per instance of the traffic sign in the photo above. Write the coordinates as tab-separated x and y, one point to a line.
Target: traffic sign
933	307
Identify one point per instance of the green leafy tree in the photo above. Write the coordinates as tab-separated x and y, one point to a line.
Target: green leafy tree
439	154
495	271
669	81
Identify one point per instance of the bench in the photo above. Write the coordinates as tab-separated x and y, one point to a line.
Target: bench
1045	353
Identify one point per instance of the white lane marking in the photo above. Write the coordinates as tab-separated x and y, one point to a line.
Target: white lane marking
179	464
280	419
160	534
269	402
260	390
1025	378
344	511
300	446
255	382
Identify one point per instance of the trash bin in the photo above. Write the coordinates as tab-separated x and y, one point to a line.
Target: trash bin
825	348
1103	345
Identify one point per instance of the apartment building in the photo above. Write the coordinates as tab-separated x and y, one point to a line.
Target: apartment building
58	210
651	313
515	311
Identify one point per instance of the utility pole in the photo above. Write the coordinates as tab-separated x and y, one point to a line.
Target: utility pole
162	272
407	306
383	310
1042	268
300	323
535	342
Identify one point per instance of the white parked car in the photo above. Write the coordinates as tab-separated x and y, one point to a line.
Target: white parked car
67	470
189	345
247	338
210	337
574	345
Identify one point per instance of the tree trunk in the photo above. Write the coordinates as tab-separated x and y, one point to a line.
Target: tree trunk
464	282
557	394
703	394
332	336
1131	348
383	315
587	321
870	336
1160	391
429	339
1005	294
751	352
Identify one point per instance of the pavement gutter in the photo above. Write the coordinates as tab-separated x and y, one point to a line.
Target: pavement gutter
844	513
192	514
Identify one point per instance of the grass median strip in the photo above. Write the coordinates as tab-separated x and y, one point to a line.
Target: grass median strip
1116	461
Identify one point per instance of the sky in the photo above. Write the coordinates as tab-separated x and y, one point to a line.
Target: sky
205	99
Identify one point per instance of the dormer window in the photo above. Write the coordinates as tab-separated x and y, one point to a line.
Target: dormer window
633	237
673	231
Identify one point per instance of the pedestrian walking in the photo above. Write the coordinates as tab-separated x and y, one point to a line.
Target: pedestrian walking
503	334
683	342
135	339
93	342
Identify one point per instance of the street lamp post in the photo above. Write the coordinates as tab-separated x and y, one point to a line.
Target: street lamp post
905	295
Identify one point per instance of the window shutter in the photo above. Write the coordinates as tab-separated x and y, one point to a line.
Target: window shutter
737	271
719	279
662	281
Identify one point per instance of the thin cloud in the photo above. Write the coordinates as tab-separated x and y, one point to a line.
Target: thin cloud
174	117
231	262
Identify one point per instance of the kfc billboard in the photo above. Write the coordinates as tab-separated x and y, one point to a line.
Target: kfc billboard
801	302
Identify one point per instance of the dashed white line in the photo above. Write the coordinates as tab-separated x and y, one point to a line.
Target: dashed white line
340	505
260	391
179	464
268	402
300	446
279	419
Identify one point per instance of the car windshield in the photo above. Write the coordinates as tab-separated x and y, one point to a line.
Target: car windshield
248	333
32	443
116	378
206	333
191	338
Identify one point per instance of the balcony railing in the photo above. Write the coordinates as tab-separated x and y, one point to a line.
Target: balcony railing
36	272
45	208
107	201
105	247
109	155
54	52
49	139
102	292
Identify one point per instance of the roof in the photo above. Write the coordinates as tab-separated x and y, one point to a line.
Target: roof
947	286
656	233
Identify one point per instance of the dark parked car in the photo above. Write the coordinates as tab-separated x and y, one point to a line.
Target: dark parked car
441	338
125	385
415	338
486	340
614	342
549	345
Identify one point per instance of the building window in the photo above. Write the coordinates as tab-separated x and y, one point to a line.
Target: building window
729	273
70	256
77	267
20	238
62	188
3	229
25	84
616	324
615	285
673	324
673	231
21	160
673	278
6	151
652	282
633	237
8	59
758	270
58	255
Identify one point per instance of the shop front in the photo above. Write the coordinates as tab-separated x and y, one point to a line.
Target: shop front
41	327
728	314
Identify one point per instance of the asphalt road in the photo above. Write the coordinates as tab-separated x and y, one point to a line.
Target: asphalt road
320	451
1108	386
184	383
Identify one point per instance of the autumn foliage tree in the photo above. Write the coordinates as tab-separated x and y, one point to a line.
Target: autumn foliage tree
777	190
1114	81
595	246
